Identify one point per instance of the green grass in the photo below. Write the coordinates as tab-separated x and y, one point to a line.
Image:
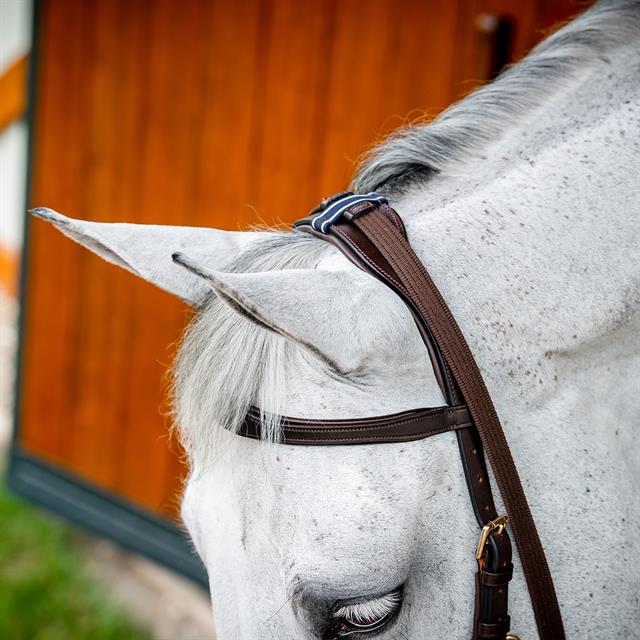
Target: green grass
45	590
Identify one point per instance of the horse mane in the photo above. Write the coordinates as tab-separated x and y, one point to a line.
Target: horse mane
227	363
463	131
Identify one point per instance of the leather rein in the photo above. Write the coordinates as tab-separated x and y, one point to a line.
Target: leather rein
372	235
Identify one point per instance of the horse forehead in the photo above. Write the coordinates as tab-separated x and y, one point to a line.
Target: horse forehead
329	503
315	486
348	515
325	493
354	517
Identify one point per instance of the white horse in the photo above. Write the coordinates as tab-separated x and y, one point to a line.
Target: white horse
523	202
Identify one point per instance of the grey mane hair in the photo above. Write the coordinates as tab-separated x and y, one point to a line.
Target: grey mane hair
227	363
462	132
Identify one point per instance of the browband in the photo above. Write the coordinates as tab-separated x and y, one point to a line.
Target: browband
395	427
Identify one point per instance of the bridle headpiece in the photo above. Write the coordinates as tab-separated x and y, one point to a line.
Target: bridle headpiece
372	235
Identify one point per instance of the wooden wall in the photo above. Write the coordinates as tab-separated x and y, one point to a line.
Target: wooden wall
203	112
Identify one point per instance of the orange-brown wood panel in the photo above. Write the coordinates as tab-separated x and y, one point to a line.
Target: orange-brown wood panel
208	112
393	65
478	32
479	24
552	14
47	385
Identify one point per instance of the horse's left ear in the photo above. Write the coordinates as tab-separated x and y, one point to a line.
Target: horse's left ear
145	249
334	314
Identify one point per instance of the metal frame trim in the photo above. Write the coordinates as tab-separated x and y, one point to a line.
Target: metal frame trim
103	513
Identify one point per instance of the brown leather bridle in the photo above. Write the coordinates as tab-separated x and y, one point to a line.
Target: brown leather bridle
371	234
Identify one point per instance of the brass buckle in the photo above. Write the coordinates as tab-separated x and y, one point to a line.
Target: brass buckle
498	525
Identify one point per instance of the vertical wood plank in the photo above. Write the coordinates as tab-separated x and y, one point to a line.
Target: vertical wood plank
223	162
290	102
175	95
48	384
392	67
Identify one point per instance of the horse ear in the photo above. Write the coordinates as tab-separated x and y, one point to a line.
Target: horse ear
145	249
328	312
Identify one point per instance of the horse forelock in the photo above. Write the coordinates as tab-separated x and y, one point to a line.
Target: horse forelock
226	363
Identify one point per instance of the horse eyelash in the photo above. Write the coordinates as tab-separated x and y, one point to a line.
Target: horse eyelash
369	611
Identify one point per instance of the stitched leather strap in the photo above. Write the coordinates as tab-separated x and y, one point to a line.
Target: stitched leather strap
491	605
397	427
410	279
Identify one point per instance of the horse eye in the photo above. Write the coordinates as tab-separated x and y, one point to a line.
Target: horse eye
366	616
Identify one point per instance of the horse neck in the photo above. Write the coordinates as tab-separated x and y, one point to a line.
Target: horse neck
532	246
